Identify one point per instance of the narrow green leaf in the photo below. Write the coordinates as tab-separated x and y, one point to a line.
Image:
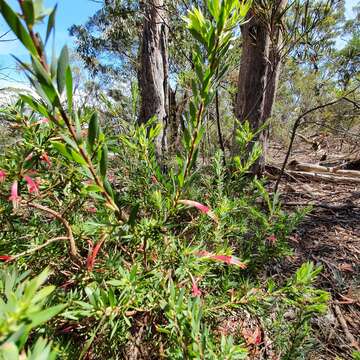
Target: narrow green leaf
108	188
23	65
69	89
77	157
28	10
17	27
35	105
62	149
51	23
104	160
63	64
93	130
92	188
45	315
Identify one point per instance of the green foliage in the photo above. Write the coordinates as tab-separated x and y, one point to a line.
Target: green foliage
22	309
298	302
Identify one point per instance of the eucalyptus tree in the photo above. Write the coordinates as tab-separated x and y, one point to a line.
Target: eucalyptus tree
274	31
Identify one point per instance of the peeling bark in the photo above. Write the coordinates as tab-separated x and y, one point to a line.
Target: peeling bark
153	71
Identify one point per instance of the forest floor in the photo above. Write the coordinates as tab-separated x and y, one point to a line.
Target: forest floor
329	235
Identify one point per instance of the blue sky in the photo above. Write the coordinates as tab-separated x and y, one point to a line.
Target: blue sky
69	12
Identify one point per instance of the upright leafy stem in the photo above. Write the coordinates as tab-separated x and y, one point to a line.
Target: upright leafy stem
52	83
214	40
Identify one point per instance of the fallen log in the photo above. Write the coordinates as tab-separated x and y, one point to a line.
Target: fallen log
313	168
325	177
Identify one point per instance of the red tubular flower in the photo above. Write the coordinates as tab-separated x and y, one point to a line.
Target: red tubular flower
222	258
226	259
2	176
93	251
45	159
14	197
33	185
5	258
195	291
203	208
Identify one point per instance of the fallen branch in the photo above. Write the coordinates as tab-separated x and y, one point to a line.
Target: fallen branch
313	168
70	237
326	177
344	326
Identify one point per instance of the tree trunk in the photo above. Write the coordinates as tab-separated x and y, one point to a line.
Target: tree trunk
259	72
153	71
250	101
276	44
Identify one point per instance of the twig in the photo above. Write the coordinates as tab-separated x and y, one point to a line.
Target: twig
344	326
37	248
221	141
70	237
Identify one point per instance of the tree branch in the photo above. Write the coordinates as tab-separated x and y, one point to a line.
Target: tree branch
70	237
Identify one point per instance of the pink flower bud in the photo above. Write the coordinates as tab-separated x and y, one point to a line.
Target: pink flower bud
14	197
226	259
204	209
195	291
33	185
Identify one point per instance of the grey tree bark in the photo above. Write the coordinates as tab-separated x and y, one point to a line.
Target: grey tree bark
153	71
259	72
275	55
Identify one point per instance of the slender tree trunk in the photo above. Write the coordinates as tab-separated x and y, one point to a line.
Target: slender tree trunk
259	73
153	71
250	101
276	43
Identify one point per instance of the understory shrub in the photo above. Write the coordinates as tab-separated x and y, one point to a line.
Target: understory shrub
150	257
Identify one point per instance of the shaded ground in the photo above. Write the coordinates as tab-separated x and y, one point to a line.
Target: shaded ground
330	236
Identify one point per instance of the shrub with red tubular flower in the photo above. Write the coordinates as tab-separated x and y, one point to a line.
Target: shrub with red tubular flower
93	251
202	208
5	258
45	159
14	197
2	176
195	291
33	185
226	259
